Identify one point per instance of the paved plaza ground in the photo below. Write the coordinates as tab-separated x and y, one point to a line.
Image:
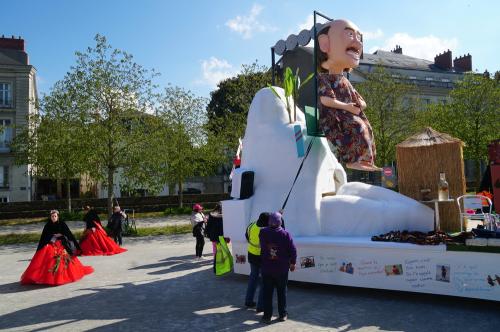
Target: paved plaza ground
158	286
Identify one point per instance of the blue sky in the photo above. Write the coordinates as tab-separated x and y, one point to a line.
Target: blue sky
193	44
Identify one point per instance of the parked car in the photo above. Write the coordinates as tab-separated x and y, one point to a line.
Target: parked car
191	191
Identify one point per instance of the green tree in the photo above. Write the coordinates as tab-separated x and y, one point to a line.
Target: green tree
53	140
115	97
473	115
184	152
229	104
390	111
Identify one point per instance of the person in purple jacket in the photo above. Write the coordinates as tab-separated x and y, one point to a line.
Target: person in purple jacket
278	255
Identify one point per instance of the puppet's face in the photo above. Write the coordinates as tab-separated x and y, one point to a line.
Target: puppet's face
342	44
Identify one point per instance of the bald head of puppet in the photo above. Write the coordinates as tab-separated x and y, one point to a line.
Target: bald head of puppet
339	46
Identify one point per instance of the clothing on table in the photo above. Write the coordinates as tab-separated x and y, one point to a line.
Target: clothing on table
96	242
54	262
351	134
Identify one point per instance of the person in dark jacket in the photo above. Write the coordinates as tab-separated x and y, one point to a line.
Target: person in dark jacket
214	226
254	251
90	217
278	255
115	224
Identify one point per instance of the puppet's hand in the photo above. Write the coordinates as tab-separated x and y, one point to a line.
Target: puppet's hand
353	108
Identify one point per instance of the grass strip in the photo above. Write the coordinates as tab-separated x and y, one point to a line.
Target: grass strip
144	231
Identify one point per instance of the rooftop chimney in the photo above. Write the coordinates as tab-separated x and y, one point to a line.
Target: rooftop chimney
463	63
443	61
397	50
12	43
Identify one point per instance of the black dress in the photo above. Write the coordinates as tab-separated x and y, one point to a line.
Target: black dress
68	240
91	217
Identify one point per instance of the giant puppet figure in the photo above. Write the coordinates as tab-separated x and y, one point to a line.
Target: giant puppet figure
341	107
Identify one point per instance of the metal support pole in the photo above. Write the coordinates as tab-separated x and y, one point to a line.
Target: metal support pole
273	64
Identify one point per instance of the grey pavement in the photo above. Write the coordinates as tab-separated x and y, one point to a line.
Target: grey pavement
78	225
158	286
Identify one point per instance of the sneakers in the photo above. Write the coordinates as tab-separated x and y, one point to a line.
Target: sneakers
266	320
250	304
283	318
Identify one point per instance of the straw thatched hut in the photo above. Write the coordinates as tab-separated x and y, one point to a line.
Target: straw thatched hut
420	159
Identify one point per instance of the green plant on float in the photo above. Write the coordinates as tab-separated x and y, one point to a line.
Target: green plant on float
291	86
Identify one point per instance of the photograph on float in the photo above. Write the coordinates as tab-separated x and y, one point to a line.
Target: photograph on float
307	262
346	267
394	270
241	259
443	273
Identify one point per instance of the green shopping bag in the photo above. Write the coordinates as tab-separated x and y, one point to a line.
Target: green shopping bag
223	258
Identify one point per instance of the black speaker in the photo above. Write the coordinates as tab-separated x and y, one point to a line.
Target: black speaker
246	184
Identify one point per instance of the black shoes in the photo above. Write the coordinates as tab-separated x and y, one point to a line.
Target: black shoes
266	320
283	318
250	305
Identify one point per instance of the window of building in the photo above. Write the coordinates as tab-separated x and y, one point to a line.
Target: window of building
429	79
5	133
5	94
4	199
4	176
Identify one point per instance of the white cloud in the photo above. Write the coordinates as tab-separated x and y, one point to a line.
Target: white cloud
369	35
215	70
426	47
307	24
249	24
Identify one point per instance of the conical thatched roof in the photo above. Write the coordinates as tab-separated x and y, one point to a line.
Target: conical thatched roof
428	137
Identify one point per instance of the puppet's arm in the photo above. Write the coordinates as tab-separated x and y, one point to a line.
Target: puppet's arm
334	103
361	101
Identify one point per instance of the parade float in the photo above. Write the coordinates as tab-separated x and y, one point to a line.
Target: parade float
332	221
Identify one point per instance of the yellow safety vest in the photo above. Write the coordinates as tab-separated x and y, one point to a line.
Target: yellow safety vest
253	239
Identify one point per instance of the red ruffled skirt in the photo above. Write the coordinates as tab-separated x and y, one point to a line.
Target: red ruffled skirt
52	265
99	243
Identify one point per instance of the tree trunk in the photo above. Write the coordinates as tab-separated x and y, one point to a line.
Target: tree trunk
68	193
180	193
111	172
477	182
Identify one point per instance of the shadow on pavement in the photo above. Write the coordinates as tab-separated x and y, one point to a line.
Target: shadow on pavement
16	287
199	301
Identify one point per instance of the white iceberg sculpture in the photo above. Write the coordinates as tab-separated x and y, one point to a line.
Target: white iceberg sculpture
355	210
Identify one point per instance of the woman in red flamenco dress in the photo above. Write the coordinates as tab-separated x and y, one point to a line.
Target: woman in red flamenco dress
54	262
95	241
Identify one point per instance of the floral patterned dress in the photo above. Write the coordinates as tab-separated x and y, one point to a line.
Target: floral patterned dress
351	134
